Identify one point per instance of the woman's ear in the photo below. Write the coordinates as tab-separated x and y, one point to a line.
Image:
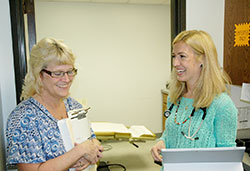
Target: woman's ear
202	61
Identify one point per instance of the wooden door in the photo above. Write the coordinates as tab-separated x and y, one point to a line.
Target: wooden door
236	40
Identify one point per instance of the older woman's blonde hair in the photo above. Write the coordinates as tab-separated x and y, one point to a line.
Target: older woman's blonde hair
45	51
213	79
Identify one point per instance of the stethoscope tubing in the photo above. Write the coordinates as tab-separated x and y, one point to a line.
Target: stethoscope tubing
167	113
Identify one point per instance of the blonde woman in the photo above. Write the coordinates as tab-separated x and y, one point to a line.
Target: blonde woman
33	137
201	113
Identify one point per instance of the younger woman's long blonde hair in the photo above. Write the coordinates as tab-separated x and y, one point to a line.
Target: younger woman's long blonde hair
213	79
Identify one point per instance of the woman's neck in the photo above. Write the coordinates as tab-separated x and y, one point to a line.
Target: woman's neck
55	106
189	91
48	100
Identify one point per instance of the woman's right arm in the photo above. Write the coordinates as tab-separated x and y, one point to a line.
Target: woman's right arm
89	150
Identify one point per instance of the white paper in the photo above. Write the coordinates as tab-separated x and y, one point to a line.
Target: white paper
139	130
66	133
243	117
245	92
136	130
81	130
109	127
74	131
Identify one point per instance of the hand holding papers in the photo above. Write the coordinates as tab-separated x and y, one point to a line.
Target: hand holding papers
106	130
75	128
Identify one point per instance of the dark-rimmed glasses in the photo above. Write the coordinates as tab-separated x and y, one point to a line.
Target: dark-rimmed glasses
60	74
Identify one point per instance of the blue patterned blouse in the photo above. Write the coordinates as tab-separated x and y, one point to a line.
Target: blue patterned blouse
32	133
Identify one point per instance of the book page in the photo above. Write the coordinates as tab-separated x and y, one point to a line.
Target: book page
109	127
139	130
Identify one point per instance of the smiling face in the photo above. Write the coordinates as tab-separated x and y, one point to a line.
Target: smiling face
185	63
56	88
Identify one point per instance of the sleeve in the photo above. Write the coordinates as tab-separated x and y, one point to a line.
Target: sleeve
225	122
24	144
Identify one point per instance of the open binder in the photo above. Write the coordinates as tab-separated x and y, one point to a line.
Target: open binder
107	130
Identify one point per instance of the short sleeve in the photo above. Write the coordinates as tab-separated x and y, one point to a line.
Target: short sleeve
24	144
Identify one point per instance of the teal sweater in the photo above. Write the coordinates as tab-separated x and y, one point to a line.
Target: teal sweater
218	129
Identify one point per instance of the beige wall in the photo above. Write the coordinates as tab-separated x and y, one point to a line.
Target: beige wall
123	55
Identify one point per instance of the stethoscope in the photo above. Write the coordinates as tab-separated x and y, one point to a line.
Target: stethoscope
167	113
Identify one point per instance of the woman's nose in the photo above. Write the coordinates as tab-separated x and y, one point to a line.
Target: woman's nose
176	61
65	77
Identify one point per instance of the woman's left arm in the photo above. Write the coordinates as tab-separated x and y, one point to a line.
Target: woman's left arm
225	122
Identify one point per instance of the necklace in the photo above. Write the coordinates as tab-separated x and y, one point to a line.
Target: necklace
167	113
175	117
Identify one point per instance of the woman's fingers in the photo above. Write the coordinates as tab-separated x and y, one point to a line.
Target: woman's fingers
93	151
156	151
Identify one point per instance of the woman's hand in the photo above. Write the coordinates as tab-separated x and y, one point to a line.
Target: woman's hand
92	150
156	150
81	164
98	144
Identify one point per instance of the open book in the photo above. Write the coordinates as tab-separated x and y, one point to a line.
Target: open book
107	130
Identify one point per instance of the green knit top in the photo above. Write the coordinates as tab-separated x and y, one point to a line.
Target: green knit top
218	129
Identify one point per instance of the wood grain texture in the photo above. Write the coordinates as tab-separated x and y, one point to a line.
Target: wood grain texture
236	59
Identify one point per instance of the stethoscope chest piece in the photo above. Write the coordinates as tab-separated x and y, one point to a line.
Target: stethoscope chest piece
167	113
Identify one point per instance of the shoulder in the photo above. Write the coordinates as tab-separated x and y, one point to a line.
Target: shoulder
223	102
25	109
22	119
168	102
223	98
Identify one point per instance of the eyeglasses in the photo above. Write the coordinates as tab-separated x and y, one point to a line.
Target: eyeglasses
60	74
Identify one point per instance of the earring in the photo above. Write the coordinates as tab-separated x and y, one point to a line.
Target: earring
201	65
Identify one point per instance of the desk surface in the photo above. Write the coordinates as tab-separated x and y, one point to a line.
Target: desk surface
134	159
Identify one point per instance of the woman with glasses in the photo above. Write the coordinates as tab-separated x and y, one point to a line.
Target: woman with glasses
200	112
33	137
